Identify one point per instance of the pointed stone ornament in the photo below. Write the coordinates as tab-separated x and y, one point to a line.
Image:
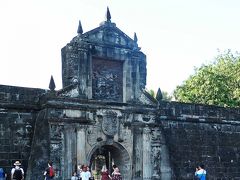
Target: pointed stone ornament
108	16
80	29
159	95
135	38
52	84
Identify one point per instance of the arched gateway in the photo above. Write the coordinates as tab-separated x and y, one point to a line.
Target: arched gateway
104	154
102	115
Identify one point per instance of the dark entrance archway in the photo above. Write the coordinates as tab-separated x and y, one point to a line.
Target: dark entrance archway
108	155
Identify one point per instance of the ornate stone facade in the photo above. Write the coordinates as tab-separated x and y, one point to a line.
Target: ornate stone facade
103	115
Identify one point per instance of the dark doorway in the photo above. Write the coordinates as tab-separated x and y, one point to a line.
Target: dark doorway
109	155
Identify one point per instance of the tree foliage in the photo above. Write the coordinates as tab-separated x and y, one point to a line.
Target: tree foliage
165	95
152	93
217	83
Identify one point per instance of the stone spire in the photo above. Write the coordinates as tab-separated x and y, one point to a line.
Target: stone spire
135	38
52	84
108	15
159	95
80	30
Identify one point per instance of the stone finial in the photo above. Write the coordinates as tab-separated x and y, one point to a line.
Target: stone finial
135	38
52	84
108	15
159	95
80	29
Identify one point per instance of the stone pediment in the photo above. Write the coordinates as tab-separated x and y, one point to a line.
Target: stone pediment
108	34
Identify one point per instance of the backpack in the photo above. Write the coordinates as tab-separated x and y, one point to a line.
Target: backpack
51	172
17	174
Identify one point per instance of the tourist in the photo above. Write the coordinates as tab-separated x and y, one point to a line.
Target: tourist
49	172
200	173
89	170
116	175
17	173
74	177
3	175
85	174
104	173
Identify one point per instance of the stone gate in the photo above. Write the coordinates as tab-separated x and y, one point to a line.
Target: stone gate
103	115
103	112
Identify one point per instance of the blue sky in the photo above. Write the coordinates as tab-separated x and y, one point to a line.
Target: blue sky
175	35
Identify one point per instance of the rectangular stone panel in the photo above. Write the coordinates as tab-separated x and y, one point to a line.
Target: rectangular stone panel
107	79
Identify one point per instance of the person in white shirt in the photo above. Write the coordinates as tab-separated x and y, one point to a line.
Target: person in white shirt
85	174
201	172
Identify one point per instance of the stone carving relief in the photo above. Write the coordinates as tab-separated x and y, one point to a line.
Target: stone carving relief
107	79
56	147
110	124
56	132
156	160
156	152
155	135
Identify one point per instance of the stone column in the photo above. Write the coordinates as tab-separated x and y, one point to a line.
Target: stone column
137	151
68	153
147	165
81	146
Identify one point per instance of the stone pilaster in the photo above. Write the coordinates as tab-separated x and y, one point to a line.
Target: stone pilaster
137	158
70	151
81	146
147	165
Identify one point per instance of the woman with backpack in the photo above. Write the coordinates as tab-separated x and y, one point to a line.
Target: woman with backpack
49	172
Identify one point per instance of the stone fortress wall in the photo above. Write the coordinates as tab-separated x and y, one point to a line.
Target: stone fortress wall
19	107
190	133
103	107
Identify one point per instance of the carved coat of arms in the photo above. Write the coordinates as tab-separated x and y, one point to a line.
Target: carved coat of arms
110	124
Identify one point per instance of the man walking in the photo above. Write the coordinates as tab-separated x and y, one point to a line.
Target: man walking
17	173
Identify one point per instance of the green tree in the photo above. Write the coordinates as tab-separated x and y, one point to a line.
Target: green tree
217	83
152	93
165	95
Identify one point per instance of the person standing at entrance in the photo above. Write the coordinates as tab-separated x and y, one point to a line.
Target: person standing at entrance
17	173
85	174
116	175
104	173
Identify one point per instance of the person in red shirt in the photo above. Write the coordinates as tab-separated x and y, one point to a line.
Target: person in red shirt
49	172
116	175
104	173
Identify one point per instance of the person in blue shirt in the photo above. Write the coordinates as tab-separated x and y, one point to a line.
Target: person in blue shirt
3	175
201	172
